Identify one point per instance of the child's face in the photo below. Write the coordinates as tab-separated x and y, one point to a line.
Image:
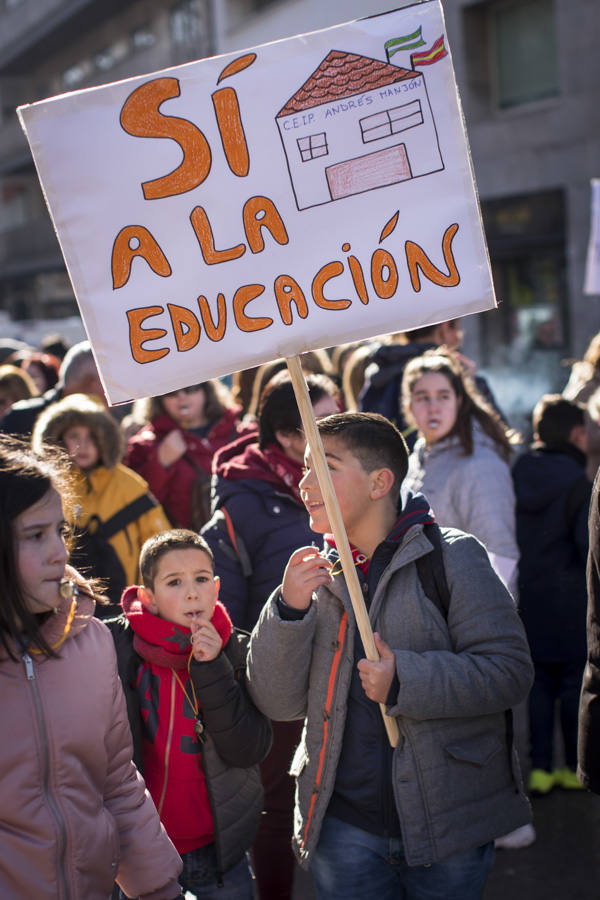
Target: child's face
434	405
185	587
41	552
186	407
81	446
351	483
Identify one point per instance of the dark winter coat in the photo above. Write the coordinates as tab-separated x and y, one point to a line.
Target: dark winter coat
552	495
589	710
236	738
22	415
270	524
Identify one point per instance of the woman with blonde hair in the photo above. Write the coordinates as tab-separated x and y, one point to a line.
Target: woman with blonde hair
15	384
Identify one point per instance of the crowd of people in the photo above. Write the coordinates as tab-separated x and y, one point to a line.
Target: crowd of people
175	616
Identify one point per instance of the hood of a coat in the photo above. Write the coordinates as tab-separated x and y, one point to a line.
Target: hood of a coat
543	474
243	460
389	360
233	457
79	409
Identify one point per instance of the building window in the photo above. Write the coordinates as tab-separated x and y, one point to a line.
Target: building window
391	121
142	38
190	26
524	50
74	76
112	54
313	145
524	340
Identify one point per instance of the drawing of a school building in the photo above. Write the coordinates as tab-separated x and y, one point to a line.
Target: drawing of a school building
355	125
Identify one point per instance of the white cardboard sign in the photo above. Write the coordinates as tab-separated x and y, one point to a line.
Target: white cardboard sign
302	194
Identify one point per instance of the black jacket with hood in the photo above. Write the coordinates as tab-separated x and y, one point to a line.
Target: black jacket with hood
552	494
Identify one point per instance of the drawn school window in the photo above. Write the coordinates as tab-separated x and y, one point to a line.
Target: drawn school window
313	145
391	121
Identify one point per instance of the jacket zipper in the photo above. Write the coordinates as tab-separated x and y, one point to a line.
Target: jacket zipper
62	843
211	800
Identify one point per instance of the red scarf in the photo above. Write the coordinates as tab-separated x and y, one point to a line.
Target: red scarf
162	642
359	559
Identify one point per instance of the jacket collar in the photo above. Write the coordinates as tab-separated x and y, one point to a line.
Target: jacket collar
414	511
68	619
565	449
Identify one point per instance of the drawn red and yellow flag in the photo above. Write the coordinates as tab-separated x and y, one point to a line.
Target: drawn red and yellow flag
428	57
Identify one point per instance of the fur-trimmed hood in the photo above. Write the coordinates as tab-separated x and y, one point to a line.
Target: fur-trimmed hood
80	409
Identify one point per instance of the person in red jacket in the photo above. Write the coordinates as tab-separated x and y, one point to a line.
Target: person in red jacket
174	451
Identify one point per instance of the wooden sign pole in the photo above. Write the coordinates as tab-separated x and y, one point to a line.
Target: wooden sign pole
337	526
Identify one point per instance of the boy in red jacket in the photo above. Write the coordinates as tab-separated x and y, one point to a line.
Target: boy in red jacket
197	735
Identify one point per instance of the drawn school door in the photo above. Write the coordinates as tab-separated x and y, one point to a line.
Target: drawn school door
367	172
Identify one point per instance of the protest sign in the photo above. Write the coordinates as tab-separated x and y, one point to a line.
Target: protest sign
305	193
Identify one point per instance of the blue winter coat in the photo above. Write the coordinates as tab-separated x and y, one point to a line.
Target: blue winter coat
269	526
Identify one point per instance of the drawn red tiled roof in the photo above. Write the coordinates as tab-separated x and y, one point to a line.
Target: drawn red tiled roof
343	75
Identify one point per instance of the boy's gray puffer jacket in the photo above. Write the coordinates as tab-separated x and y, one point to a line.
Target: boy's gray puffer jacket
455	774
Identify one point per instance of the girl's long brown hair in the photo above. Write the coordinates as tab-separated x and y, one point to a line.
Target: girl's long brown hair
217	400
471	405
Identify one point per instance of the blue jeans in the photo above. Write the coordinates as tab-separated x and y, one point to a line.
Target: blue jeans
200	879
351	864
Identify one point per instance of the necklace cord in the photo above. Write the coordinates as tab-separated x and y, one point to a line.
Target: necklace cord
194	706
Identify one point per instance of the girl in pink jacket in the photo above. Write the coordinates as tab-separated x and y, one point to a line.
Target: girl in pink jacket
74	813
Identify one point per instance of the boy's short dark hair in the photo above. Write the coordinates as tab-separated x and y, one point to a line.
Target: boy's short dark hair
157	546
373	439
554	418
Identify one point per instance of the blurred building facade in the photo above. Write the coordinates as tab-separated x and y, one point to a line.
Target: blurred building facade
527	72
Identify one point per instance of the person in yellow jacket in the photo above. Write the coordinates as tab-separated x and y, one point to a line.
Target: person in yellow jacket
114	511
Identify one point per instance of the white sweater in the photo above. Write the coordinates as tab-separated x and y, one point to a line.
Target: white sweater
472	493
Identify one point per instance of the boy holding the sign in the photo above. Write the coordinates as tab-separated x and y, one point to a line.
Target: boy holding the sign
417	820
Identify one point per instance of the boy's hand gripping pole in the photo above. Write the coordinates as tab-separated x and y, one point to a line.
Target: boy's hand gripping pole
337	526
